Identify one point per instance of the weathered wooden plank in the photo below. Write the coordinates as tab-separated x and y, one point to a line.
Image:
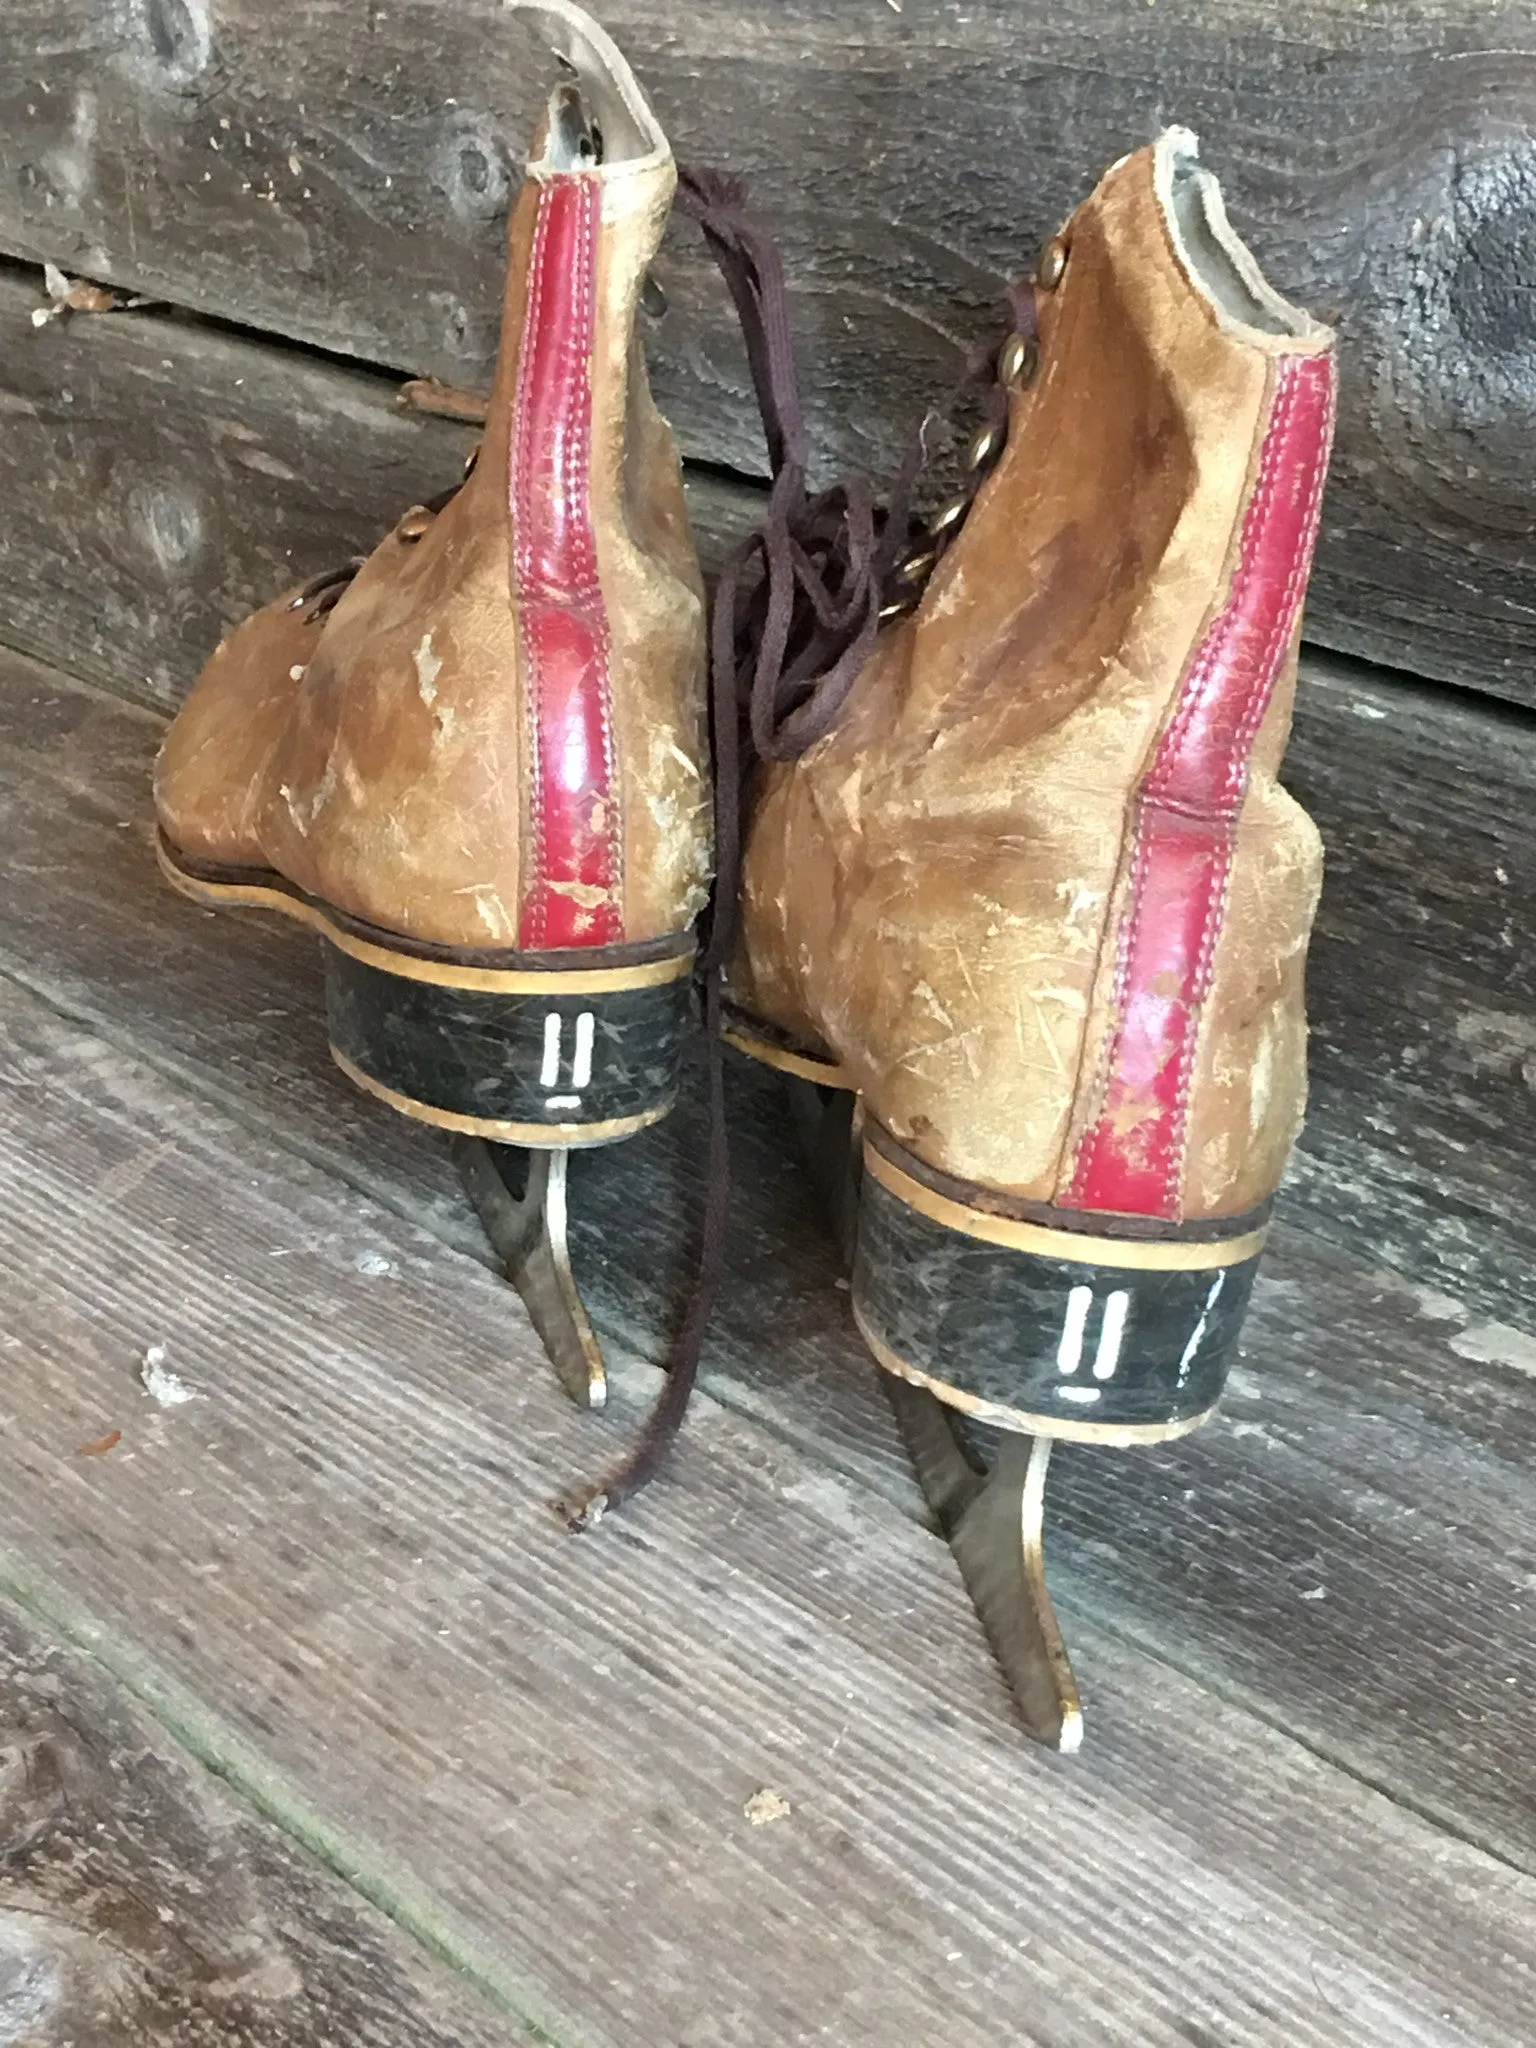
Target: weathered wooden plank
1379	1440
1421	1136
345	183
163	477
143	1906
340	1550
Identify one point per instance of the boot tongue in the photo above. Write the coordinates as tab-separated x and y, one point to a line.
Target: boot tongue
574	140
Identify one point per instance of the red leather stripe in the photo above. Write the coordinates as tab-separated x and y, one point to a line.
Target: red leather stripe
573	861
1187	806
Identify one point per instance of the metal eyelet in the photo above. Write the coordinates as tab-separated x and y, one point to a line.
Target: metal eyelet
652	298
1017	360
953	515
1052	263
983	448
471	460
413	523
916	567
895	610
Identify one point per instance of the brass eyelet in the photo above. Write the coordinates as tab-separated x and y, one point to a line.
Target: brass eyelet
1017	360
952	516
413	523
1052	263
983	448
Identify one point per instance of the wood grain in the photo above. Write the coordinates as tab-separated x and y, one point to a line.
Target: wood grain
1377	1443
340	1552
344	182
142	1905
162	477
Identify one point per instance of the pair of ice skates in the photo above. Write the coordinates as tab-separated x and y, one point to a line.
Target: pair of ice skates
1006	884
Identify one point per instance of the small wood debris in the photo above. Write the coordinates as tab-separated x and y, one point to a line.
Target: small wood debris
766	1805
102	1445
160	1383
425	394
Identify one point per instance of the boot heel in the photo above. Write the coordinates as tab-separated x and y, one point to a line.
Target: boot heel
534	1055
1085	1332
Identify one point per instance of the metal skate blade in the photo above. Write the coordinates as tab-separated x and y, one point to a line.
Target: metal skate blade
992	1517
527	1230
993	1520
827	1123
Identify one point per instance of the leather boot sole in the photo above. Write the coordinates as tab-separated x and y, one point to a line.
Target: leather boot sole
521	1048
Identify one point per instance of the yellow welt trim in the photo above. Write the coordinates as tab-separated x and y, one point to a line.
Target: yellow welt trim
544	1137
825	1072
1134	1254
506	981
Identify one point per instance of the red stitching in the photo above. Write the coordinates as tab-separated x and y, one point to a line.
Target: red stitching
571	585
522	557
612	808
1207	657
1112	1044
1238	768
1276	454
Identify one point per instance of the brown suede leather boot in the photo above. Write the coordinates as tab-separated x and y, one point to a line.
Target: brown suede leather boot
479	769
1038	898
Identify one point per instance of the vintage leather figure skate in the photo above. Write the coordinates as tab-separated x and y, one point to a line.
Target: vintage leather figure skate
1019	881
476	762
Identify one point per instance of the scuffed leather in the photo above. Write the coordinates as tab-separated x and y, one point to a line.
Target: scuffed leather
932	893
397	788
212	773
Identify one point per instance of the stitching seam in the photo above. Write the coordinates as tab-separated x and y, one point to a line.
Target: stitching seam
1155	794
534	897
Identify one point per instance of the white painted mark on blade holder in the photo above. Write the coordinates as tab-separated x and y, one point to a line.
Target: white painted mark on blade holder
1198	1334
549	1073
1069	1352
581	1065
562	1102
1111	1334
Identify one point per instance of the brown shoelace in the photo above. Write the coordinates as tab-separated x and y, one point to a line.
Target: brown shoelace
796	612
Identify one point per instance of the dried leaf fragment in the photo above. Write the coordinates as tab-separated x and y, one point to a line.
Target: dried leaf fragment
77	295
102	1445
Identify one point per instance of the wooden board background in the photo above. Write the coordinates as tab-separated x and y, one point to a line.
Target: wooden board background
339	175
162	477
142	1905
